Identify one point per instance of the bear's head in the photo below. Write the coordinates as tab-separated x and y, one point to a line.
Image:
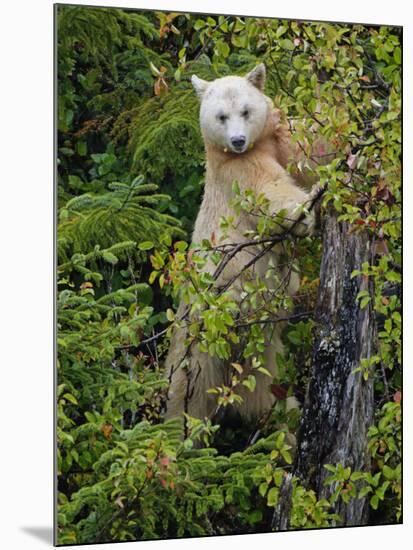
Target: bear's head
234	109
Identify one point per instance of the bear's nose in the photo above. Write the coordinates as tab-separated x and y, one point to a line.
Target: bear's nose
238	142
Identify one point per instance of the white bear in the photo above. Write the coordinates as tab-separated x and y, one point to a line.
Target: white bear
237	123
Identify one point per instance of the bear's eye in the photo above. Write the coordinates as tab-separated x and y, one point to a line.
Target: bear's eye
222	118
245	113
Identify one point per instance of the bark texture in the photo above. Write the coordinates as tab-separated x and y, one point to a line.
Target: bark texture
339	404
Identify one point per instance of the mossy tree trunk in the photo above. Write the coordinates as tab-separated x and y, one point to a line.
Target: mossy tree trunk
339	404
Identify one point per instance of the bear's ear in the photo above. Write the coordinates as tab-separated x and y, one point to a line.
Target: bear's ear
199	85
257	76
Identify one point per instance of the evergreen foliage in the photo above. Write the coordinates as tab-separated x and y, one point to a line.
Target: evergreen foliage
123	212
130	175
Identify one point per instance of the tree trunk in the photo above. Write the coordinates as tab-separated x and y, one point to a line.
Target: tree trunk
339	404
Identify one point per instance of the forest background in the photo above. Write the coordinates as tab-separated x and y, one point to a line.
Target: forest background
130	164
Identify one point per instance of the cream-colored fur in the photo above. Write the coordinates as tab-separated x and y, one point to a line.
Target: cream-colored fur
288	152
254	168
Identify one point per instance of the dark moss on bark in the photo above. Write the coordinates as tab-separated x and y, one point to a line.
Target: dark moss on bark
339	404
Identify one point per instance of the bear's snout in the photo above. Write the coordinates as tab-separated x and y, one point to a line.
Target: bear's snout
238	142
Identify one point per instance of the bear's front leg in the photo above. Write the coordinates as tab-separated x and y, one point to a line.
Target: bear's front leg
285	196
191	373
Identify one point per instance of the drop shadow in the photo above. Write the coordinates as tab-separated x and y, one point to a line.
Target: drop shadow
44	534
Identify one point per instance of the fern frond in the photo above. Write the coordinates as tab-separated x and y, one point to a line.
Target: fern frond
124	213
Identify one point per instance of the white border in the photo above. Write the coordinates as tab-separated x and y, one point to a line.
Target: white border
26	285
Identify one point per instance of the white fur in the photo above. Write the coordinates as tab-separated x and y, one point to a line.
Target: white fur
255	168
240	102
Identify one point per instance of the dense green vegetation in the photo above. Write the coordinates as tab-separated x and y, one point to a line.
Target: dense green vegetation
130	176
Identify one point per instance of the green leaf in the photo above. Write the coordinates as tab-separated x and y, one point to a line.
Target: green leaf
255	516
250	382
170	315
236	188
280	440
154	70
364	301
393	276
199	24
374	502
81	148
286	456
181	246
222	49
125	331
287	44
263	488
109	257
90	417
71	398
152	276
365	491
272	497
397	54
388	472
146	245
265	371
280	31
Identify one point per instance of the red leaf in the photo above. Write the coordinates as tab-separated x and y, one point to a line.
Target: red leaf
384	194
107	430
380	247
321	150
160	86
352	161
279	391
